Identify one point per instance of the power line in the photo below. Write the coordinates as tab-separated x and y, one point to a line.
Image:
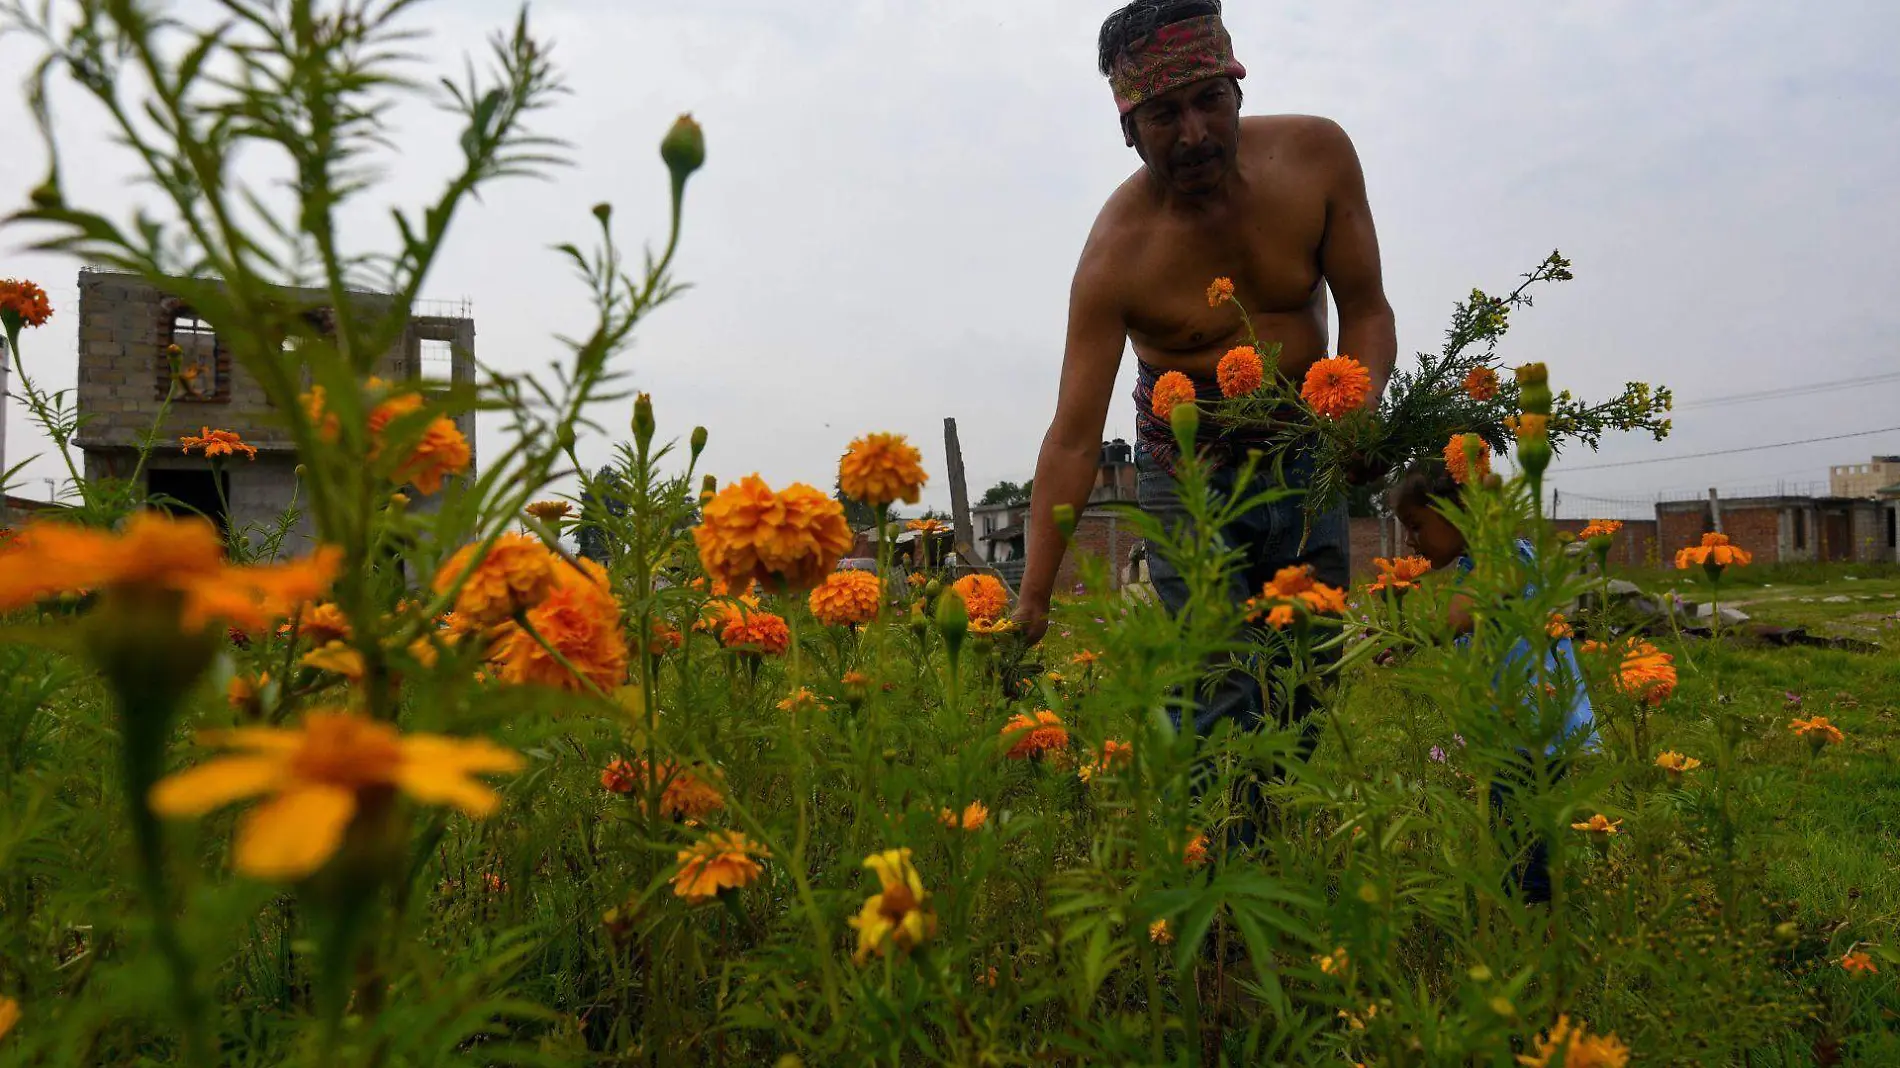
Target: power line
1790	391
1723	452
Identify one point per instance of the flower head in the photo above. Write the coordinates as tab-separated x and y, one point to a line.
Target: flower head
1113	752
926	526
1858	963
321	624
1646	674
975	815
23	303
1219	292
1171	390
1572	1046
1031	736
1558	627
1599	825
846	598
1292	593
683	793
984	596
1240	371
215	443
1817	731
750	534
1714	554
1481	383
723	860
1600	528
1336	386
758	633
580	620
319	777
1399	574
1334	963
1463	470
880	469
515	574
439	451
799	700
1676	764
549	511
1160	934
1195	853
895	917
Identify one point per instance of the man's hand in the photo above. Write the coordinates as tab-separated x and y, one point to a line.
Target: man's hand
1032	622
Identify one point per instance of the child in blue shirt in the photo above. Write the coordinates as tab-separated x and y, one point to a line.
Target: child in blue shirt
1436	538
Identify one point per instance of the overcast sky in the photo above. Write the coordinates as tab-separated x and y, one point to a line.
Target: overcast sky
896	192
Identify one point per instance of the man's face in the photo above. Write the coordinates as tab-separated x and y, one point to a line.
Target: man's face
1187	136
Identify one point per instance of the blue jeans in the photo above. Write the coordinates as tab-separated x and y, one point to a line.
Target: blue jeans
1268	538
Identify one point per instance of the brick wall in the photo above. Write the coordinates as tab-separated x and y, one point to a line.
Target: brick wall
1634	546
1100	533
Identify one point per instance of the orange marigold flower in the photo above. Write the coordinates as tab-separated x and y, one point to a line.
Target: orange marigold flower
1676	764
1600	528
723	860
1030	736
984	596
1240	371
1598	824
1195	854
793	538
799	700
156	552
1219	292
1294	590
880	469
326	423
324	623
758	633
1336	386
1160	934
1171	389
1591	645
1084	659
1818	731
1574	1047
241	692
664	638
10	1014
23	303
926	526
216	443
580	619
846	598
549	511
1558	627
1715	553
338	657
1113	752
974	816
1646	674
1858	963
1398	574
684	794
619	777
1481	383
514	575
1463	470
320	776
1334	963
442	452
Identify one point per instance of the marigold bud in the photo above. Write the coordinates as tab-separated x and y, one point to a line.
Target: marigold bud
1186	420
643	420
683	148
953	622
603	211
698	441
708	486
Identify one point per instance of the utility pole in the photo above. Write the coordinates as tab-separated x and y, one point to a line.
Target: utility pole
959	494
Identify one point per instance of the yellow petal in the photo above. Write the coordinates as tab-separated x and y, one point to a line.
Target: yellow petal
196	791
440	784
294	833
256	739
474	755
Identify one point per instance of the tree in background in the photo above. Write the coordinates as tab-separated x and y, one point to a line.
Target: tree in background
1007	492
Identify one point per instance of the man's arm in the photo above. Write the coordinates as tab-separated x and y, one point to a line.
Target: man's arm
1349	259
1072	448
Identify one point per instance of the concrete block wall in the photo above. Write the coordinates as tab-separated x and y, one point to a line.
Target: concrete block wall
259	489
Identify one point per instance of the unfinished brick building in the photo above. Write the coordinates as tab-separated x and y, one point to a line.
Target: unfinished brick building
1785	529
125	325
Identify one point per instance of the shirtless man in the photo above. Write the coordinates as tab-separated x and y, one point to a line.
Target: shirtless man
1277	203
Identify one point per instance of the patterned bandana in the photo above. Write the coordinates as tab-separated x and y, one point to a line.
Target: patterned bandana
1171	57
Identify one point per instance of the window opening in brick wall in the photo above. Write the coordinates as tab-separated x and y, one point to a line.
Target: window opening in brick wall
435	361
189	492
1893	528
1800	529
199	360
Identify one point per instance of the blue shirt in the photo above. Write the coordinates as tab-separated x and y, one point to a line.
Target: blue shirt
1560	667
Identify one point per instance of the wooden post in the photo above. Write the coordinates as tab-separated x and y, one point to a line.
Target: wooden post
1715	510
959	495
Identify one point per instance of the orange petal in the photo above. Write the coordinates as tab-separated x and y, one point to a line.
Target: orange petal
256	739
294	833
196	791
440	784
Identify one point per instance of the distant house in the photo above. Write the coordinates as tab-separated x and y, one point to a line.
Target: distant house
125	326
1863	480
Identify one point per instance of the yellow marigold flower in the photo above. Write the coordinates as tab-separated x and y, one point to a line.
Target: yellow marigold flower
1558	627
1333	963
157	553
1531	427
895	916
1240	371
1171	390
1574	1047
1600	528
581	620
1855	963
23	303
1676	764
723	860
1646	674
1195	855
1481	383
1818	732
1031	736
1463	471
1399	574
1160	934
974	816
1600	825
762	633
218	443
1113	752
1220	291
984	596
1714	554
339	657
846	598
319	777
989	628
799	700
549	512
880	469
917	580
1336	386
1294	590
514	575
750	534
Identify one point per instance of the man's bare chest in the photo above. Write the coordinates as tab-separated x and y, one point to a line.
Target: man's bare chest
1274	265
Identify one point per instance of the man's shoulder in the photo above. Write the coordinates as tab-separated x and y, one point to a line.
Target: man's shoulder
1304	138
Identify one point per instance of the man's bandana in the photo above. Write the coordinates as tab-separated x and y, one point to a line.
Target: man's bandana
1172	56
